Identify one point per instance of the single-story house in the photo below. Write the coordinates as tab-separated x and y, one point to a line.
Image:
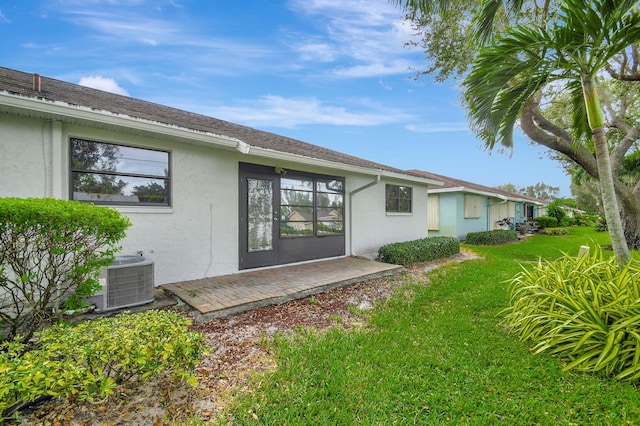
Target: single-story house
206	197
459	207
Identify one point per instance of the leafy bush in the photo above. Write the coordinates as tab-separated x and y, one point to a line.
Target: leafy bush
416	251
490	238
51	250
556	231
555	210
585	219
583	309
546	222
601	226
92	359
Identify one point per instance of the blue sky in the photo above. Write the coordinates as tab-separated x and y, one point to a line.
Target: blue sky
334	73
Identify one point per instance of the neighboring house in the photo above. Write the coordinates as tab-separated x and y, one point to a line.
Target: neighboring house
206	197
459	207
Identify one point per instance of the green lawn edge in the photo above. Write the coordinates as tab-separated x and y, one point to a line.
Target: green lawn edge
437	354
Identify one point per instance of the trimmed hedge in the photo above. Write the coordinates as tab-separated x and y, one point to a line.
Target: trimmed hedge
417	251
51	253
546	222
491	238
556	231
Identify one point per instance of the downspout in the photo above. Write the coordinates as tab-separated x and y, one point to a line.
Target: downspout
351	194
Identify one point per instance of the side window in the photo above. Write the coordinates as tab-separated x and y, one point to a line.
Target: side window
398	199
104	173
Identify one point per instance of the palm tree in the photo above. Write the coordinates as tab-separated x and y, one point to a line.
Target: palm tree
511	72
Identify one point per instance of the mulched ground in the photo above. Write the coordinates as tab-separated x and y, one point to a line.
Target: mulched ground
237	350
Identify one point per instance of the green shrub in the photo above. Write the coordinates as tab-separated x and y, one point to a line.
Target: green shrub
90	360
490	238
556	231
546	222
585	219
554	209
51	251
583	309
601	226
416	251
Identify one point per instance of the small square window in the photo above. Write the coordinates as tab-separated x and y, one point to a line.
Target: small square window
398	199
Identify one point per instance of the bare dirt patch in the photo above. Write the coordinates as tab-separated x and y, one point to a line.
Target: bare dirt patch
237	350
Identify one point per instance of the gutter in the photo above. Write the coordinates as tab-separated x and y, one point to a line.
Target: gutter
351	194
62	110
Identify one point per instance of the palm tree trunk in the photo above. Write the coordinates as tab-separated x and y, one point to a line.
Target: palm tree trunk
605	175
609	200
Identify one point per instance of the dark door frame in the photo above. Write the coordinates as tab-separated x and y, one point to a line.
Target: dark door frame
284	249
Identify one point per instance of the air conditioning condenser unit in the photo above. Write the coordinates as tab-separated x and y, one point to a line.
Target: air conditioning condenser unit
127	282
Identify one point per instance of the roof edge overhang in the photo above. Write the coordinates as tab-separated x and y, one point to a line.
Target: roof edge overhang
279	155
485	193
470	191
61	110
57	110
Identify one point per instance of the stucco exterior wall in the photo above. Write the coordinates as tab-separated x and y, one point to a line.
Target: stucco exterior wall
198	235
372	227
453	222
449	208
25	156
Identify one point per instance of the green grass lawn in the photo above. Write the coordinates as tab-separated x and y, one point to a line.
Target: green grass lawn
437	354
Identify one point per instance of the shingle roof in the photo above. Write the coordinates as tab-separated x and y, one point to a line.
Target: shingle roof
450	182
21	84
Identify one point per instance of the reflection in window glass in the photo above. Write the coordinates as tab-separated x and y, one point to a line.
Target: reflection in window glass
300	184
105	173
259	214
296	206
311	206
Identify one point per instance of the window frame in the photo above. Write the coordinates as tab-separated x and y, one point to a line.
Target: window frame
397	200
167	179
314	207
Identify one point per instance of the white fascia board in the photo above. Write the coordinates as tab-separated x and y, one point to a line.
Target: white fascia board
65	110
485	193
279	155
468	190
56	109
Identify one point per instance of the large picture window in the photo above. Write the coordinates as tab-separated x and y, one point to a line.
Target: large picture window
105	173
398	199
311	205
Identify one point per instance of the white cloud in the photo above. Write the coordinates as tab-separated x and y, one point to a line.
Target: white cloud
4	19
456	126
373	70
102	83
277	111
370	34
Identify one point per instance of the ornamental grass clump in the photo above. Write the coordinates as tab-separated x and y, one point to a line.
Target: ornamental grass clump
585	310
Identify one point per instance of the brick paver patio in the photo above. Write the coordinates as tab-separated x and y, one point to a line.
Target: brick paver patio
229	294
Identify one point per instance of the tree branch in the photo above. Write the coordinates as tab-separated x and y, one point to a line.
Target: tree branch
542	131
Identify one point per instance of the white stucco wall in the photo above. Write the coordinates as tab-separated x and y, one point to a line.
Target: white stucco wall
198	235
25	157
372	227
